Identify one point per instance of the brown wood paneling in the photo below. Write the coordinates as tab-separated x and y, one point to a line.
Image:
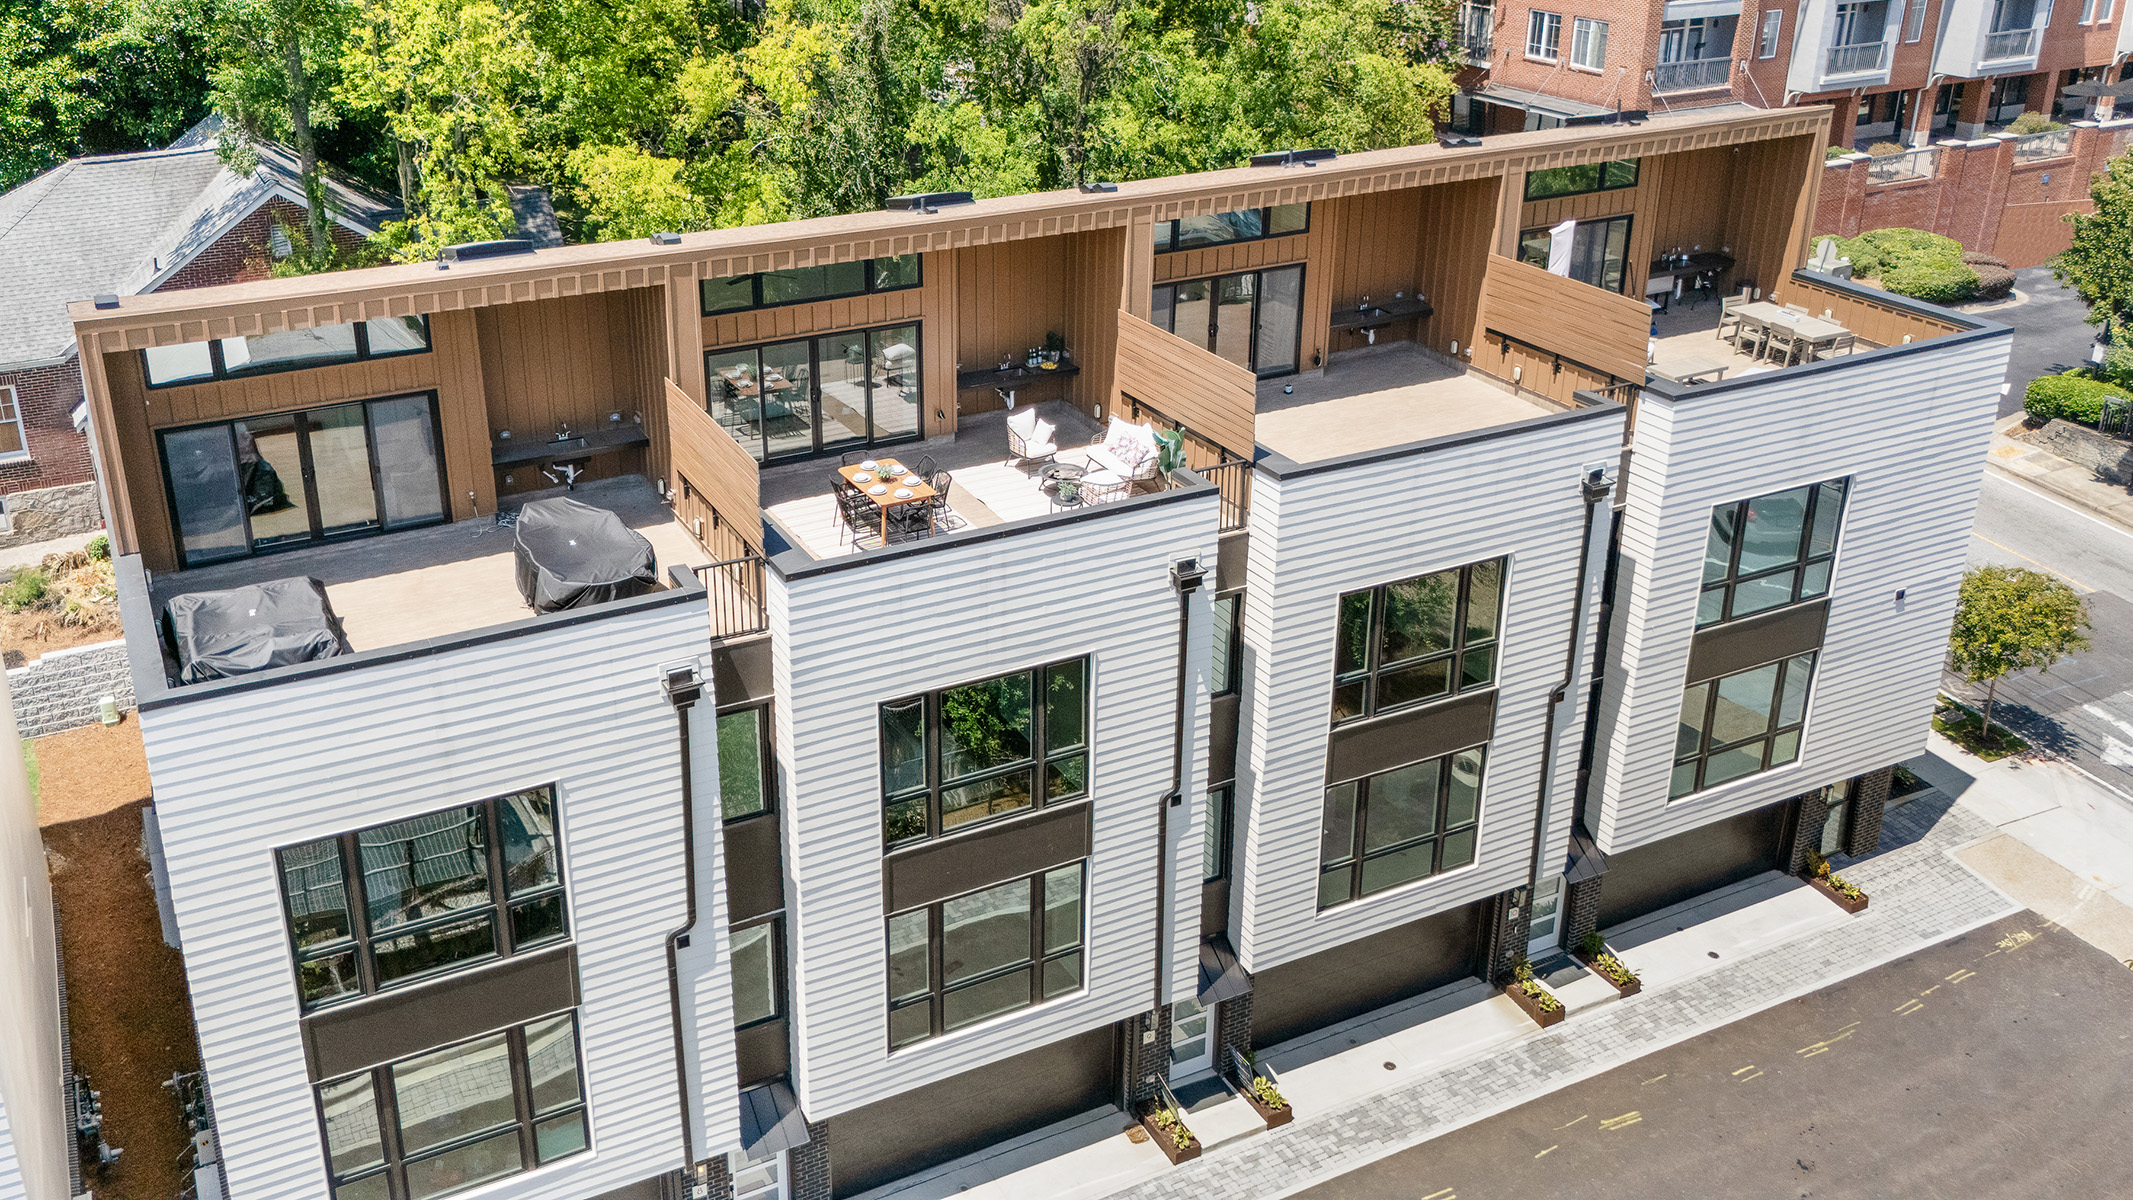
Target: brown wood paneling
1238	256
573	361
711	467
1011	295
1374	252
1597	328
1767	213
1882	323
1096	279
449	369
1210	395
1452	260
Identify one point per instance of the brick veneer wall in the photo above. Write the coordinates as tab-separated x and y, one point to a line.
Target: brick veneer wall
810	1165
1145	1058
1506	934
1810	810
1979	195
1581	911
1870	799
1233	1028
59	453
242	254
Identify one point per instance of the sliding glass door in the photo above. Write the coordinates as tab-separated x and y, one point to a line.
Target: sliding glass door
791	399
295	479
1250	318
1599	251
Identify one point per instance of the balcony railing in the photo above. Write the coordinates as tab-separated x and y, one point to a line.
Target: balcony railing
1855	60
2055	144
1692	74
735	590
1898	168
1477	32
1230	473
2009	43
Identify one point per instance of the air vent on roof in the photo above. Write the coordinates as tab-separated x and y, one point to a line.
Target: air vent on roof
106	300
1457	141
1097	187
926	202
501	248
666	239
1293	158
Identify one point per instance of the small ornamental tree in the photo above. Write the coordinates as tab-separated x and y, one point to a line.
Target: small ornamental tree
2009	619
2099	263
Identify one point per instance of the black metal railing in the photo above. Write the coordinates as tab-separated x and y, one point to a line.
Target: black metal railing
1230	473
734	595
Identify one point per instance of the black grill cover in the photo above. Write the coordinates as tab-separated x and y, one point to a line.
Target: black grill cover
572	555
255	628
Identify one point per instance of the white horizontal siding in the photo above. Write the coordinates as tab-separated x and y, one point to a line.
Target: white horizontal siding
1911	432
580	707
845	641
1316	536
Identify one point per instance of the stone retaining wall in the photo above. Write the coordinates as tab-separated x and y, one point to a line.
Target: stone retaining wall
2109	458
59	691
41	514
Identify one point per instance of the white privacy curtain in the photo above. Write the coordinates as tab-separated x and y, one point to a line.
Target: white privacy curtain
1559	239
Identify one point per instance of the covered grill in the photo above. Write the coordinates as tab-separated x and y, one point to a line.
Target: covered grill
218	635
572	555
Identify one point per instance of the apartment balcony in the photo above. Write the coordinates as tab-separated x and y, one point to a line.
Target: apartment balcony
2006	45
1692	75
1990	37
1864	58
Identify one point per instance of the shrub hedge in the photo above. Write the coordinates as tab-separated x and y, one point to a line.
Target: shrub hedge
1911	262
2074	396
1994	282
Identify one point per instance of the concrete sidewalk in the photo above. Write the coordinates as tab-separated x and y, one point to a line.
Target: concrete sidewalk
2063	842
2048	472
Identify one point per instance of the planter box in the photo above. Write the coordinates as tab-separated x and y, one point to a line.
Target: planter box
1840	899
1533	1009
1274	1117
1162	1140
1631	988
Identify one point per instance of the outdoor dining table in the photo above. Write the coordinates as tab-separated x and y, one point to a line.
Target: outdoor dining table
1815	331
890	475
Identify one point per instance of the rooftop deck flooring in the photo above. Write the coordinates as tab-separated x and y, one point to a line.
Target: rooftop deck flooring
1688	335
985	488
398	588
1385	396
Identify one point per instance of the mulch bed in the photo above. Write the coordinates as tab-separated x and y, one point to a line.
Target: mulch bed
127	1011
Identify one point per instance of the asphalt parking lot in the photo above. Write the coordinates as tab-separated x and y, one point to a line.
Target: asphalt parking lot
1999	1063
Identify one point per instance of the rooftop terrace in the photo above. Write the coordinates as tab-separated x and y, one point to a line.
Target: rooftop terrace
1389	395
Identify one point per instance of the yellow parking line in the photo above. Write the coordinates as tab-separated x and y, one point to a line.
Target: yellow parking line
1446	1194
1545	1153
1567	1126
1624	1121
1654	1079
1959	976
2025	558
1907	1007
1743	1070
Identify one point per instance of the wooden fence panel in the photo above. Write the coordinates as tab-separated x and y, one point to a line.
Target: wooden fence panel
1208	394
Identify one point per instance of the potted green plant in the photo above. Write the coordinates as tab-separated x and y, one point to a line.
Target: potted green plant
1261	1091
1595	954
1166	1126
1842	892
1533	996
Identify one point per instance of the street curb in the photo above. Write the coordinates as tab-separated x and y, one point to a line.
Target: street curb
2070	496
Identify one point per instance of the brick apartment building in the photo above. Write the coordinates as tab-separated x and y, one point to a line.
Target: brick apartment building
123	224
1941	76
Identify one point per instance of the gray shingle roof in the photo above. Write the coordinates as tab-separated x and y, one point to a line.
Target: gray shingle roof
124	222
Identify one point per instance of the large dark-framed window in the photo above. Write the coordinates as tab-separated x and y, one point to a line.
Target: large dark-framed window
972	957
744	775
757	955
1599	251
854	387
960	756
1398	826
804	285
1770	551
1242	225
284	350
1739	724
1417	640
457	1116
1251	318
1225	660
1553	183
283	480
380	907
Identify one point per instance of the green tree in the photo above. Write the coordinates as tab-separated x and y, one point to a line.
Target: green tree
96	77
2099	263
277	65
2010	619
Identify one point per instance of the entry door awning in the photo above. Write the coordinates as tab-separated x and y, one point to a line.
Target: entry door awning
1222	977
771	1120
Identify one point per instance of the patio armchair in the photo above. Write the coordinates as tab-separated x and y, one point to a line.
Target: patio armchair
1029	438
1128	451
1102	486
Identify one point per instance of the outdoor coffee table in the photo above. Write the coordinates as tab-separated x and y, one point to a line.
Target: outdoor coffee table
1055	473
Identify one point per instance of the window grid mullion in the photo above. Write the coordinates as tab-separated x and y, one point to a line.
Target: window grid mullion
1036	939
1358	838
388	1104
358	899
521	1095
937	967
499	903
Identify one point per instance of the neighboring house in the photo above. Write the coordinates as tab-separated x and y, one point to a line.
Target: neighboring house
122	224
1912	72
896	831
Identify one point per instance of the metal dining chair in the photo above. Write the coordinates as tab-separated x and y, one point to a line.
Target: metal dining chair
853	458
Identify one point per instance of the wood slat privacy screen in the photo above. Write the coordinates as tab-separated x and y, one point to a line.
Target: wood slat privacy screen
712	467
1208	394
1874	321
1594	326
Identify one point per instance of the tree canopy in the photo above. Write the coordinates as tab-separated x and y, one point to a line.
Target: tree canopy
2010	619
647	115
2099	264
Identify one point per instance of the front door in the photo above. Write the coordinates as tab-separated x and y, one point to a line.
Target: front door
1192	1040
1545	918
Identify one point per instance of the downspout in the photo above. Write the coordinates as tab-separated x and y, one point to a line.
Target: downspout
683	688
1185	577
1594	488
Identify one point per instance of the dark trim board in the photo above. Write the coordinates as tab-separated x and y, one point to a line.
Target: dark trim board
999	851
1752	641
1686	865
755	870
1368	973
391	1025
1375	744
930	1125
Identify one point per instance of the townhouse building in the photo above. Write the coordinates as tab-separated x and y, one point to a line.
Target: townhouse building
837	833
1915	73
